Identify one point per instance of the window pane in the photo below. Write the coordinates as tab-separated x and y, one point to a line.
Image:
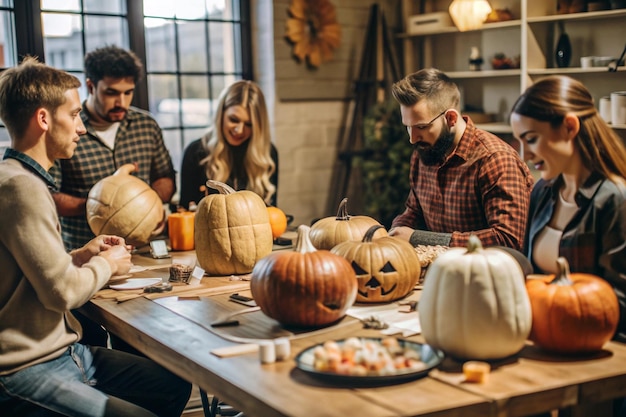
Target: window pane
173	143
160	45
189	135
196	106
159	8
102	31
190	9
8	54
5	140
65	5
62	40
108	6
218	9
164	100
222	47
193	50
218	83
6	3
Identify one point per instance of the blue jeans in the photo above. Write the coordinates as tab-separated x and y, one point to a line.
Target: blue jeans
94	381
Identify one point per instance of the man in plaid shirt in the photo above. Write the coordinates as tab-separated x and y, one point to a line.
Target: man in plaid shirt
117	134
463	180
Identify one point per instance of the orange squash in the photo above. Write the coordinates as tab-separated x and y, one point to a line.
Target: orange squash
572	313
278	221
386	268
305	287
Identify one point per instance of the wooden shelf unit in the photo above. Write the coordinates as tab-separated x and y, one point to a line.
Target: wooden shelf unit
532	36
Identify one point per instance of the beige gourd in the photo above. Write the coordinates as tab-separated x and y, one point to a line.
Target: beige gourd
124	205
232	231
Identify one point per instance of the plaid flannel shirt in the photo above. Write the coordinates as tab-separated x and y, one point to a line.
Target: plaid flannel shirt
139	140
483	188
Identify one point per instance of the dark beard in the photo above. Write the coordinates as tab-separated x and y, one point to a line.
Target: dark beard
436	154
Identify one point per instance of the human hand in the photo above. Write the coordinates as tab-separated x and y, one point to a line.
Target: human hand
109	241
119	259
403	232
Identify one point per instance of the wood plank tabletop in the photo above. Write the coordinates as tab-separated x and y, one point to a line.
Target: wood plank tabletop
181	339
277	389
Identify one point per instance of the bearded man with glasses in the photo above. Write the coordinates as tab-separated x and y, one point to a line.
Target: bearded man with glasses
464	180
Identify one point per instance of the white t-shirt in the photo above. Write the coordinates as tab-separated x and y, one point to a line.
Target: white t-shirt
546	247
108	134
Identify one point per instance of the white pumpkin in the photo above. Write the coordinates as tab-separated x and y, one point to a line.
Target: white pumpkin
474	304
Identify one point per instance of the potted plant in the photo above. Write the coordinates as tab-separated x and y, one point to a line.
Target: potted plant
385	162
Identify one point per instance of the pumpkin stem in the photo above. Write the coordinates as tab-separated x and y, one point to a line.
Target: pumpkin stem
342	211
562	277
220	186
474	244
303	241
369	235
125	169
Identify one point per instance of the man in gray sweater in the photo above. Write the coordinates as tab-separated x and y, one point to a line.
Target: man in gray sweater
43	368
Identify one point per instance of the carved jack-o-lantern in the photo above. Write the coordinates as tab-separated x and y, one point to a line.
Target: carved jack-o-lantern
386	268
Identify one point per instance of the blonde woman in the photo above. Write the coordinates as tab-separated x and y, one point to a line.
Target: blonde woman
237	150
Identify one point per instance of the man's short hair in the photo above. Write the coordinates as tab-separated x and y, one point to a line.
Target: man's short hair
112	61
29	86
429	84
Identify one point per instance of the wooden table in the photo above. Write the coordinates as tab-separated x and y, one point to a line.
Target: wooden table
532	382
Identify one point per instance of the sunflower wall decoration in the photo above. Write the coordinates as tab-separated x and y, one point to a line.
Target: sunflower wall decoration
313	30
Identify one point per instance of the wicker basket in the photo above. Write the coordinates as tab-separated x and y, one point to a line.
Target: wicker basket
180	273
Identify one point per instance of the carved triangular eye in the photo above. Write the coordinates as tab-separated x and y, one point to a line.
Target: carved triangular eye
357	269
388	268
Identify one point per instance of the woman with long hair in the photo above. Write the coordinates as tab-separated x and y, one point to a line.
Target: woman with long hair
578	207
237	150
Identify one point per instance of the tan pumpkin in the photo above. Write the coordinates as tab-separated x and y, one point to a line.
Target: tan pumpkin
474	304
124	205
232	231
572	313
305	287
328	232
386	268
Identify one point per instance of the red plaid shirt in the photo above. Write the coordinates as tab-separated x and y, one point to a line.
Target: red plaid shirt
483	188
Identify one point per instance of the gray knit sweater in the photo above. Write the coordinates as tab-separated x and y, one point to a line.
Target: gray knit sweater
39	283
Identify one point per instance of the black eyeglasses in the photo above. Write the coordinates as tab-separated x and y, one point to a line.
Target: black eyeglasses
423	126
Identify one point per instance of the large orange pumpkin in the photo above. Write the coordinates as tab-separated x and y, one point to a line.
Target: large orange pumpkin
572	313
124	205
328	232
232	231
305	287
386	268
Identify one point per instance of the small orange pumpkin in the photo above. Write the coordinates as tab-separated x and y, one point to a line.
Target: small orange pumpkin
278	221
305	287
572	313
386	268
328	232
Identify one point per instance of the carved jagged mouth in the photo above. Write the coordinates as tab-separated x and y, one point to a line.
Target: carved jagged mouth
332	305
373	283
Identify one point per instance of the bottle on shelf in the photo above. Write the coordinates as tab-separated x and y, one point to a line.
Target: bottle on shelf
563	52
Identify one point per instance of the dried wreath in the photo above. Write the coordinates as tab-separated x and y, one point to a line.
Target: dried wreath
313	30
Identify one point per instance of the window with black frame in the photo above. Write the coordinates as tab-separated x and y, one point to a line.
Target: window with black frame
191	49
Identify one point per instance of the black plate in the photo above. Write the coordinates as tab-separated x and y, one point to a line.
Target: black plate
429	355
